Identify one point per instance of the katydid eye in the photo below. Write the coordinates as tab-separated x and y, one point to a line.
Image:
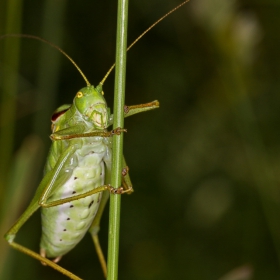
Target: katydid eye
79	94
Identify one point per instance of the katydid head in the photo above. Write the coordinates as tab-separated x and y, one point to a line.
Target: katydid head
90	102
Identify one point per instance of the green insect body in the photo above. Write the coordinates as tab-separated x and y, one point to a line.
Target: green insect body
74	190
77	172
63	226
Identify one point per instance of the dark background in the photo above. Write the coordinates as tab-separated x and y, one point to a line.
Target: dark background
205	166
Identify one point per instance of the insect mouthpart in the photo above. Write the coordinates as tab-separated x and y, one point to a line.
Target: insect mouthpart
98	115
97	119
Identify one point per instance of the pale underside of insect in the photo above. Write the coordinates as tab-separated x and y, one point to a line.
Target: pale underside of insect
76	182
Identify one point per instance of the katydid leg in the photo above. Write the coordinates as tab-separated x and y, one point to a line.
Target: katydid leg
126	182
140	108
44	203
65	134
44	260
135	109
44	186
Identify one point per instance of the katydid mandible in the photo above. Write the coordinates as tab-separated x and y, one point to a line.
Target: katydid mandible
76	182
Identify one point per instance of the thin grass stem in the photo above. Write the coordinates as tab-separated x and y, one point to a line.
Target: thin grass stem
115	200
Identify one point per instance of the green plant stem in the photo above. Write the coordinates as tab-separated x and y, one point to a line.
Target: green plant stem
8	99
119	94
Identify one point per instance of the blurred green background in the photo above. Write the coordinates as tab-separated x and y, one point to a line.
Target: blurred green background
205	166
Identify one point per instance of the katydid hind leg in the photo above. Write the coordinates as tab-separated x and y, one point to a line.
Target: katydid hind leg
44	260
44	187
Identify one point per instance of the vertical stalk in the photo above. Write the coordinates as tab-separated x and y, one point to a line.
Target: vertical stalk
8	99
119	94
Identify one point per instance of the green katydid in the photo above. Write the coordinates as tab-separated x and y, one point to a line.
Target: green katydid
76	182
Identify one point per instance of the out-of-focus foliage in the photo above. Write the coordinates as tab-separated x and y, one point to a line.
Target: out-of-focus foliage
205	166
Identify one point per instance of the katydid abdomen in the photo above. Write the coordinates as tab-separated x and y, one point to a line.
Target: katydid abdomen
63	226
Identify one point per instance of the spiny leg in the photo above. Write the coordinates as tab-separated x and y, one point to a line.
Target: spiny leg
60	136
44	203
45	186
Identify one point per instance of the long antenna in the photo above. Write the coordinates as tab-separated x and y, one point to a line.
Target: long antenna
139	37
52	45
73	62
